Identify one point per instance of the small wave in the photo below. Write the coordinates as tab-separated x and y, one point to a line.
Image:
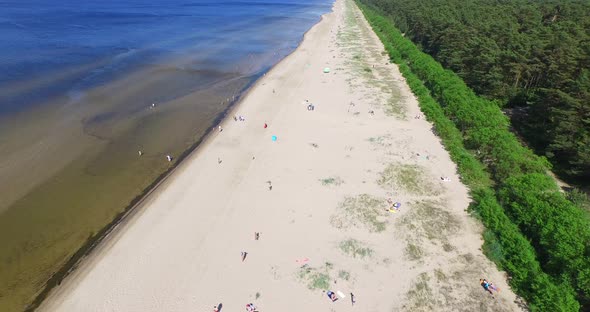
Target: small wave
76	93
125	54
75	96
13	23
78	26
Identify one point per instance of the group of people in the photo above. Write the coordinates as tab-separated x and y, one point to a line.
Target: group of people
393	206
332	296
250	307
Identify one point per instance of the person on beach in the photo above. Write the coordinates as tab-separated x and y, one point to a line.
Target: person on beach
256	235
235	118
352	300
350	106
244	255
219	128
169	158
265	125
332	295
395	207
219	160
486	286
140	153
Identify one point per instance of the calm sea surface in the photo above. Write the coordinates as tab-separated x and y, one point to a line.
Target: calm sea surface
77	80
97	40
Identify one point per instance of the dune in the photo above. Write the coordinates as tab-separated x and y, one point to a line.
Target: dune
318	185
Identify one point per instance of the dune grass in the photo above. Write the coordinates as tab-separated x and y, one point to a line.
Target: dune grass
420	296
360	60
335	181
355	249
413	251
345	275
410	178
316	278
361	211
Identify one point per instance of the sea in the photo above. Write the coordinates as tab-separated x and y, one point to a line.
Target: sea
86	85
95	41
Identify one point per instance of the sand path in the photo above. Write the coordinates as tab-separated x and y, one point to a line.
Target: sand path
331	170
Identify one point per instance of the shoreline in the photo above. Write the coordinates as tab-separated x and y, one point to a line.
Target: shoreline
332	170
86	254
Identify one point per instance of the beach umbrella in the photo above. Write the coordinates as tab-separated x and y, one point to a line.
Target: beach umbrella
327	70
274	138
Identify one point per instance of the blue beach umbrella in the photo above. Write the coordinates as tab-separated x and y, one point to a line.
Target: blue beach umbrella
274	138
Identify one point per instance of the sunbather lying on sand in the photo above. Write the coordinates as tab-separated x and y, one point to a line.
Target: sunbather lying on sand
332	296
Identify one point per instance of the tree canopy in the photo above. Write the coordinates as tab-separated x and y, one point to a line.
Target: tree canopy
534	231
530	55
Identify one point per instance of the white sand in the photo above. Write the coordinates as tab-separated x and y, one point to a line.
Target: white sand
181	252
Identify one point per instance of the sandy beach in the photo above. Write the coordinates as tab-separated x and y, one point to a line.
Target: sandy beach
320	195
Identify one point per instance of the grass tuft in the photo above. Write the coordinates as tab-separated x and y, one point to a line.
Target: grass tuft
336	181
411	178
354	248
316	278
420	295
345	275
362	210
413	252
